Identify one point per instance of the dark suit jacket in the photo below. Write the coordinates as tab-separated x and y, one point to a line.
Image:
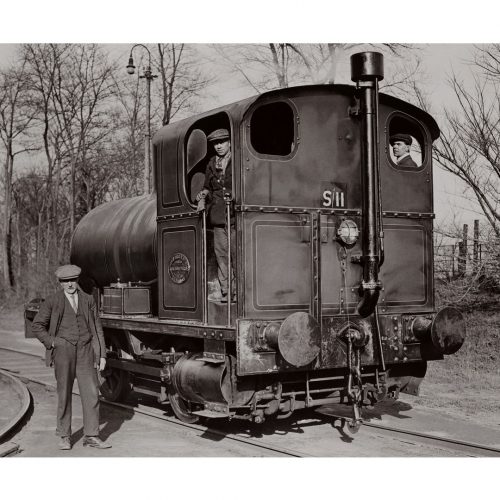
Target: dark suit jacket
217	206
46	323
407	161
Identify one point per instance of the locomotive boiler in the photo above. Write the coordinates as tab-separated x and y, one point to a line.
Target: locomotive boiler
333	263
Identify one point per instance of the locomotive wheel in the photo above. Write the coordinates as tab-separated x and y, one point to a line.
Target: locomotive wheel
181	408
114	384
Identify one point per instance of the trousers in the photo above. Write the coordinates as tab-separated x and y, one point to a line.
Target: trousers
220	248
70	362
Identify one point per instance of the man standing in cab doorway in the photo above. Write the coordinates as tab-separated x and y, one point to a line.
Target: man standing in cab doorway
401	144
218	186
68	326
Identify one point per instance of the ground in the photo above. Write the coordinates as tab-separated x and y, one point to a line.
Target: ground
466	384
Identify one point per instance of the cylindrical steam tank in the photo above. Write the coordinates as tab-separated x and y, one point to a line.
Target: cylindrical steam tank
117	240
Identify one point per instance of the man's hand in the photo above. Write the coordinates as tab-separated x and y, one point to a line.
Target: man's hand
102	364
202	194
201	205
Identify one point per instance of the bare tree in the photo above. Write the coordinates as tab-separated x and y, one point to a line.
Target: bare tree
469	146
16	117
277	65
125	154
43	63
181	78
83	85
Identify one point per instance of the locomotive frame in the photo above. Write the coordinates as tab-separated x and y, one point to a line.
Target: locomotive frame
334	268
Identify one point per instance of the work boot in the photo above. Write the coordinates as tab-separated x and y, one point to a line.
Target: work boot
95	442
65	443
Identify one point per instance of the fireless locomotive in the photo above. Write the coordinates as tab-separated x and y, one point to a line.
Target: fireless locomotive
333	266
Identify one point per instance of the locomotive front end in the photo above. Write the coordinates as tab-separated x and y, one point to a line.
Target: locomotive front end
337	247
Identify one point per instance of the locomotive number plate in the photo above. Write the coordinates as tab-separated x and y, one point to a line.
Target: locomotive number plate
179	268
333	195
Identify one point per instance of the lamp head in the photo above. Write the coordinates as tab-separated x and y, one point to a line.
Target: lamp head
130	66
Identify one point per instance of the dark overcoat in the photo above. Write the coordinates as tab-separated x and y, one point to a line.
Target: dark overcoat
46	323
407	161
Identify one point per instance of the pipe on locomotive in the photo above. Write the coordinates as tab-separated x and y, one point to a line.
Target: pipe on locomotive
367	68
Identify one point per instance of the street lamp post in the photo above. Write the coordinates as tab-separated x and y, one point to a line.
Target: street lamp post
147	143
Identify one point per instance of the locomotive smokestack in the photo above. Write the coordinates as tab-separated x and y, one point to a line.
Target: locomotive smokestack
367	68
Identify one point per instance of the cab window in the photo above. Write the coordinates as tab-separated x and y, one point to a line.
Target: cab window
406	143
197	152
272	129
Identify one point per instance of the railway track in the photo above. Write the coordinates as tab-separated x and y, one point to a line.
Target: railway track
44	376
19	364
18	396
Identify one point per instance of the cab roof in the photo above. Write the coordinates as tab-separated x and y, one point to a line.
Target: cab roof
237	110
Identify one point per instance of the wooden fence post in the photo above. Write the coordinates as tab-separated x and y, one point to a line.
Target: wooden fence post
475	255
462	252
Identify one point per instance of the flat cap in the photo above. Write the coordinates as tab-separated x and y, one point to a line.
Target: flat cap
218	135
400	137
67	272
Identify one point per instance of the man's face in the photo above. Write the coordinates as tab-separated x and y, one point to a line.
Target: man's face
399	148
221	147
69	286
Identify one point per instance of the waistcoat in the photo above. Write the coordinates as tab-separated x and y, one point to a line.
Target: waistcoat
73	327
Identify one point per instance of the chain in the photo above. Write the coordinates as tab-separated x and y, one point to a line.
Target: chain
354	382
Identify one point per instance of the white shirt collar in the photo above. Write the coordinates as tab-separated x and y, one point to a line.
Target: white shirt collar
69	295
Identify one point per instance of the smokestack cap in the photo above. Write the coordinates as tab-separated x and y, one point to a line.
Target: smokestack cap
366	66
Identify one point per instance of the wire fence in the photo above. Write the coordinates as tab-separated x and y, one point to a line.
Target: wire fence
467	257
453	260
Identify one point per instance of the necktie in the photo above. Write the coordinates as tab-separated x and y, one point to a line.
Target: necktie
73	302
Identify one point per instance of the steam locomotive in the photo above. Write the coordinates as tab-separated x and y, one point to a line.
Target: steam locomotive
333	260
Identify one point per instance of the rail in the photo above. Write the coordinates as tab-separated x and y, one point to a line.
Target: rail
467	448
10	385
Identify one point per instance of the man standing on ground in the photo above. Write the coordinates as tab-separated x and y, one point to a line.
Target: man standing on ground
68	326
